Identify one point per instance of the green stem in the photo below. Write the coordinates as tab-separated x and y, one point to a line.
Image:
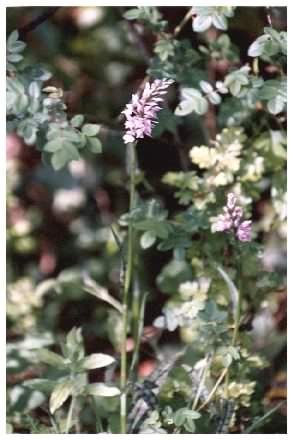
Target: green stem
238	309
135	316
262	420
236	320
127	283
210	396
135	355
69	415
99	427
183	22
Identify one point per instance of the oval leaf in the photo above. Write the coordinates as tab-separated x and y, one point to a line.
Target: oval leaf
201	105
60	394
147	240
50	358
100	389
184	108
201	23
97	360
77	121
206	87
91	129
95	145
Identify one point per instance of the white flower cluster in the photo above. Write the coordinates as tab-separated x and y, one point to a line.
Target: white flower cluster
222	159
194	296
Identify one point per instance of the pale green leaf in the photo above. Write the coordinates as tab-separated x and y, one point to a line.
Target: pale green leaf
132	14
50	358
257	47
44	385
201	105
201	23
14	58
147	239
100	389
91	129
60	394
206	87
184	108
97	360
220	22
214	98
276	105
95	145
53	146
77	121
235	88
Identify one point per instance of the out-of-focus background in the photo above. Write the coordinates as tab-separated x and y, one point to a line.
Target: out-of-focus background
58	222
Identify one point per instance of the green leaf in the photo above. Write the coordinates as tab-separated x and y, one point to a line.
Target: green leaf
160	322
276	105
220	22
13	37
179	417
53	146
257	47
97	360
95	145
132	14
60	394
177	239
206	87
235	88
192	100
214	98
18	46
44	385
102	390
51	358
278	141
14	58
77	121
147	239
9	428
64	155
164	48
189	425
190	93
70	135
212	313
283	38
21	104
201	23
184	108
201	105
29	134
158	228
167	121
190	414
91	129
15	85
74	345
